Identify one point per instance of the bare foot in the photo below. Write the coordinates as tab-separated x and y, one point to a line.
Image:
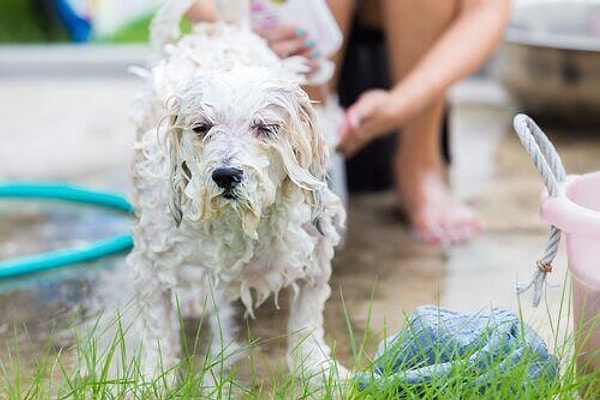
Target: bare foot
436	216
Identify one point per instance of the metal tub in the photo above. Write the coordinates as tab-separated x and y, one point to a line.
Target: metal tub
550	60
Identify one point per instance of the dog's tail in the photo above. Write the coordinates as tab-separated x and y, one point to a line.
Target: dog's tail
164	28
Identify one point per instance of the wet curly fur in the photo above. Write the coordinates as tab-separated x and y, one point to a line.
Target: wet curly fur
230	193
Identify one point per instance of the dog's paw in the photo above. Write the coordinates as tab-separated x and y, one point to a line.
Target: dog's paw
341	373
322	371
329	371
160	370
216	385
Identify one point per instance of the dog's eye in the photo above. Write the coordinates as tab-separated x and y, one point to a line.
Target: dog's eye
202	128
267	129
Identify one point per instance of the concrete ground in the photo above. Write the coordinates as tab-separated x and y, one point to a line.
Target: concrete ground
76	129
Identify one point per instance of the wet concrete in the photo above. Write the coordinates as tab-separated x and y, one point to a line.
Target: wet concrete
78	131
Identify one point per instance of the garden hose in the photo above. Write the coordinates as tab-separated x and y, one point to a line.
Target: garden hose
63	257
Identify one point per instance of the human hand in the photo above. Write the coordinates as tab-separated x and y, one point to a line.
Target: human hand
372	115
287	41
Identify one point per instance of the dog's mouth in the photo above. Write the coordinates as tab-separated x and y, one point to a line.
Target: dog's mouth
229	195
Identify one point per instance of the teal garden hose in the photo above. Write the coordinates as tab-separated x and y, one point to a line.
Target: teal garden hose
63	257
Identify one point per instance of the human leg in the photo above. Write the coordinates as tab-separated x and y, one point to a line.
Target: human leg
437	217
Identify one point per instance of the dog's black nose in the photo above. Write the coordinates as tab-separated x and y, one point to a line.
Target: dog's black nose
227	177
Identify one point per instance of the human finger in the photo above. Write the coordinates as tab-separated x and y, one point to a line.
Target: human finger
349	124
350	133
292	47
368	104
357	129
310	52
278	33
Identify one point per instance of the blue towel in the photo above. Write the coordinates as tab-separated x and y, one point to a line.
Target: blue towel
489	343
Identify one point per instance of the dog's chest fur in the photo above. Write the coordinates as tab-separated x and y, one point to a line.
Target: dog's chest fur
282	252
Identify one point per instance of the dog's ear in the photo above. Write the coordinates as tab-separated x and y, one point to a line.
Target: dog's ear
303	148
316	155
179	173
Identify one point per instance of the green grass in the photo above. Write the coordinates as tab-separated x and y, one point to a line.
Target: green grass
57	376
18	24
137	31
83	372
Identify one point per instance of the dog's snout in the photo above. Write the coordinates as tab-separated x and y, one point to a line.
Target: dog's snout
227	177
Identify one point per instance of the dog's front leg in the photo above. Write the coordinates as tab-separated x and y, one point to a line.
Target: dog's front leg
308	354
160	329
224	346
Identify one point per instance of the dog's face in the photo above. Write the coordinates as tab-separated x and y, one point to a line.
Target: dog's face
237	140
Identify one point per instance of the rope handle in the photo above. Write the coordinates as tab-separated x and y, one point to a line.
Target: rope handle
550	167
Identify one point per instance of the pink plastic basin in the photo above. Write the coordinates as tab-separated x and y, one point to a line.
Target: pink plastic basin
576	211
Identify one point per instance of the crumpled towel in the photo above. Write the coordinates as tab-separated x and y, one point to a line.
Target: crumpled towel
489	342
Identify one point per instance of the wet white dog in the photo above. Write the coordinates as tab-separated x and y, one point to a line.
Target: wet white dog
231	195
